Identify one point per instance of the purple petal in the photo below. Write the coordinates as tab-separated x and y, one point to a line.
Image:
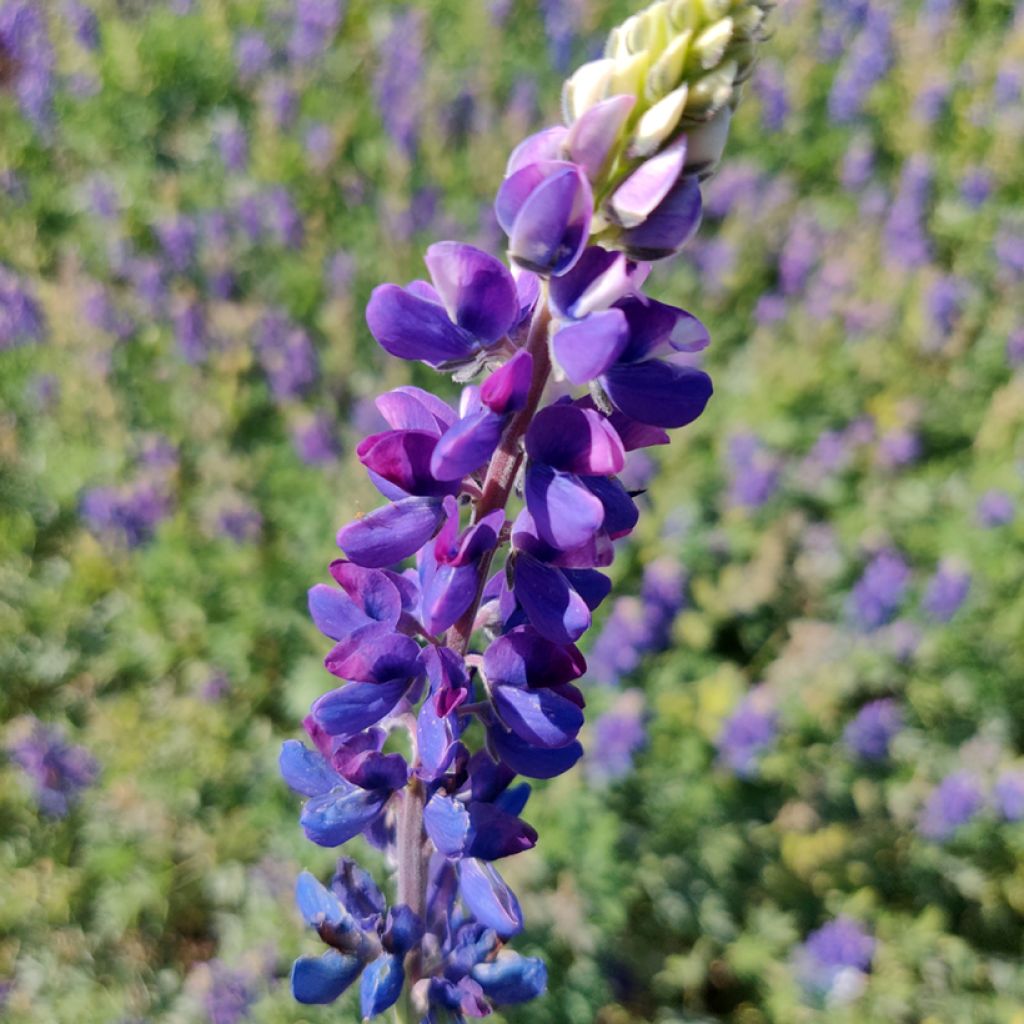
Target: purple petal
402	457
596	282
435	742
554	609
381	985
466	446
566	514
374	654
533	762
447	594
340	815
304	770
541	717
319	906
373	591
449	681
545	145
643	191
656	328
391	533
584	349
494	833
489	898
511	978
410	327
595	134
412	408
620	511
374	770
524	658
447	823
572	439
669	227
477	290
350	709
659	393
507	389
334	613
316	980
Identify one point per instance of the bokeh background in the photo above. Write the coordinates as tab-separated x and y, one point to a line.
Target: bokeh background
803	793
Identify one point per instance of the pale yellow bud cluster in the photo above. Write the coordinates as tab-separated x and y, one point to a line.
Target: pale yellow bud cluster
684	61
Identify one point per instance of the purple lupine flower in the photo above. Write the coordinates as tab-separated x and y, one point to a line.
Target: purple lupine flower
339	273
319	145
799	255
315	25
28	58
748	733
238	519
1006	90
834	961
398	80
947	590
287	356
944	303
21	319
735	185
871	731
83	22
841	19
1009	250
995	508
931	101
771	90
562	19
898	448
57	770
279	101
190	332
906	242
232	144
1009	794
879	592
618	734
315	439
178	238
253	55
976	187
902	639
770	309
866	64
283	218
952	804
100	311
147	278
230	994
754	472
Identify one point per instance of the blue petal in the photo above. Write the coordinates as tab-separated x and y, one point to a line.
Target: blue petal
389	534
319	906
466	446
658	393
403	930
511	978
489	898
566	514
334	612
447	823
531	761
554	609
584	349
410	327
381	985
352	708
306	771
322	979
541	717
338	816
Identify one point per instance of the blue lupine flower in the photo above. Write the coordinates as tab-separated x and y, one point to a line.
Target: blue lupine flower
947	590
995	508
1009	794
21	319
865	65
618	734
398	80
753	471
229	995
748	732
879	592
906	240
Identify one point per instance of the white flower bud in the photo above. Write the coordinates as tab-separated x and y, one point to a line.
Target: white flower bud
658	123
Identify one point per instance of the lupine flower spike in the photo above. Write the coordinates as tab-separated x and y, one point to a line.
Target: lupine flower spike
470	649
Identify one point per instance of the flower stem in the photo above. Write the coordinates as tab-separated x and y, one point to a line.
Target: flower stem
504	467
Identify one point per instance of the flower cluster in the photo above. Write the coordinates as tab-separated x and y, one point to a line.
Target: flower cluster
459	672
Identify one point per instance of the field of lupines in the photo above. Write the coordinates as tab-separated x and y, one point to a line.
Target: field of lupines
802	792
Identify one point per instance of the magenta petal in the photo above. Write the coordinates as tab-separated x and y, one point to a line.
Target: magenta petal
410	327
403	457
478	291
391	533
643	191
584	349
541	717
573	439
658	393
543	145
507	389
595	134
554	609
466	446
373	591
669	227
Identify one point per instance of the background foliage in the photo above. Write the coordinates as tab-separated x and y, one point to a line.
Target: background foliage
197	199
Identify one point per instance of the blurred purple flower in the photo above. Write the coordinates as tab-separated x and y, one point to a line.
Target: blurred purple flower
976	187
995	508
232	144
340	273
1009	249
562	22
190	332
21	319
834	961
238	520
319	145
280	102
618	734
898	448
283	218
753	472
83	23
866	63
858	163
1009	794
946	592
28	59
315	439
879	592
398	79
906	242
953	803
1015	348
230	994
944	304
871	731
253	55
316	23
770	86
58	770
287	356
748	732
178	238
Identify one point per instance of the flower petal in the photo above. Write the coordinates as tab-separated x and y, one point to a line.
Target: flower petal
321	979
489	898
375	654
572	439
566	514
392	532
466	446
507	389
533	762
304	770
511	978
381	985
597	132
340	815
643	191
669	227
541	717
352	708
335	613
554	609
584	349
658	393
410	327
